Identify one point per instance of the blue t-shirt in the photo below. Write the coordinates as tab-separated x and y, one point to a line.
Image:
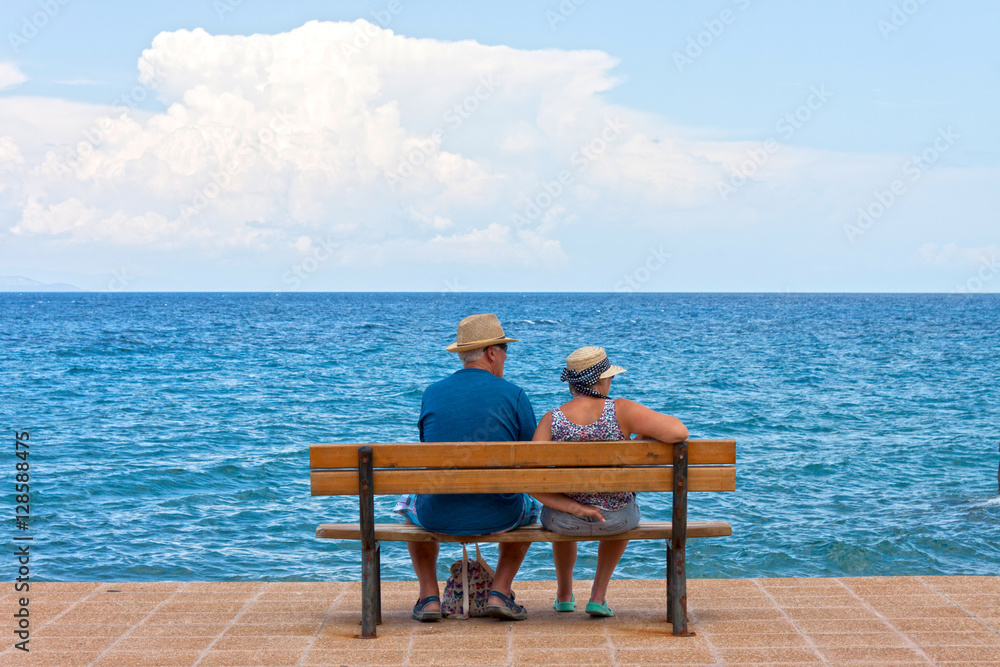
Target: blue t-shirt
473	405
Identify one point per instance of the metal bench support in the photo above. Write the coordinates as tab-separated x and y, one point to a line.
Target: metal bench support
676	557
371	576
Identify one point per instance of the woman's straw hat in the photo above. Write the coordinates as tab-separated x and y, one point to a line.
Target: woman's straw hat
585	357
477	331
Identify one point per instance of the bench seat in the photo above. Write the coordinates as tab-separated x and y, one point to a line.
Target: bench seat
401	532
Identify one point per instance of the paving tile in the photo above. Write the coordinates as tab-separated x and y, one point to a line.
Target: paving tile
658	642
148	659
748	614
47	644
849	639
742	656
840	626
459	656
541	656
51	659
770	639
178	630
955	638
750	626
65	586
869	654
829	613
935	625
160	644
967	653
351	657
275	658
180	618
380	643
90	630
842	600
924	612
276	630
435	642
267	618
73	617
224	587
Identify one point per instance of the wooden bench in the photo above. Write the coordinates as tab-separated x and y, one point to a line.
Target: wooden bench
367	470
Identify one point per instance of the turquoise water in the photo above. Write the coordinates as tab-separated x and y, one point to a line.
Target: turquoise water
169	432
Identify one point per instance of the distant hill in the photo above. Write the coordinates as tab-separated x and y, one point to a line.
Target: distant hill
20	284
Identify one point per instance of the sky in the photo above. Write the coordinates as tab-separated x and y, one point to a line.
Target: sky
581	145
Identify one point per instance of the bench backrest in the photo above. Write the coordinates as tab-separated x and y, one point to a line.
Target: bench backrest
521	467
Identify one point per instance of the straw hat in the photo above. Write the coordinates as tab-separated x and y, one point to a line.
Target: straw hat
477	331
585	357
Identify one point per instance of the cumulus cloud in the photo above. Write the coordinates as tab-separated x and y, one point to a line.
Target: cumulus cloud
10	76
391	147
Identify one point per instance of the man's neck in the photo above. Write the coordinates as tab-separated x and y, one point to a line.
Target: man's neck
482	364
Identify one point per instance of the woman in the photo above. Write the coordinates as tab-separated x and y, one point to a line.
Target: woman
591	415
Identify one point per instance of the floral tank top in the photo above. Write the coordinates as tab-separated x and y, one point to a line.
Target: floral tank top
605	428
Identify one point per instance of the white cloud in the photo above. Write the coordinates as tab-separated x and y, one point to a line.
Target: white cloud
11	76
270	139
951	255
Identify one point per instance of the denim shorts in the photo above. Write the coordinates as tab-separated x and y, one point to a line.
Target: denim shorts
522	512
615	521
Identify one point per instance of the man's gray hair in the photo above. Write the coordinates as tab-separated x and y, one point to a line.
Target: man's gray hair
472	355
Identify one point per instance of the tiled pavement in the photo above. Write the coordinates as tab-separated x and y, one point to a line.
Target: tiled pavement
849	621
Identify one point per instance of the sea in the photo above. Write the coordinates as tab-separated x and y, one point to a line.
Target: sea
169	433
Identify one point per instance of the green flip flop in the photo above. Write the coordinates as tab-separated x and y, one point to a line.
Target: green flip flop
565	606
595	609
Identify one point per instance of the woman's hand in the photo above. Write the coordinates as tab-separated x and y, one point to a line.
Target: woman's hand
587	512
563	503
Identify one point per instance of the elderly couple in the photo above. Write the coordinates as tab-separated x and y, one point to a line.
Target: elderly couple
476	404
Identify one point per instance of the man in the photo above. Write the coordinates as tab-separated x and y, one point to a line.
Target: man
474	404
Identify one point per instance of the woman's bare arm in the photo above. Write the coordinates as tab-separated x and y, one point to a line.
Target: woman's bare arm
563	503
636	418
544	429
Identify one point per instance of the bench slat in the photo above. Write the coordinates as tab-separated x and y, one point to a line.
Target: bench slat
524	480
521	454
398	532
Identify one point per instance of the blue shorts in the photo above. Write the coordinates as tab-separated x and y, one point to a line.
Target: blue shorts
469	514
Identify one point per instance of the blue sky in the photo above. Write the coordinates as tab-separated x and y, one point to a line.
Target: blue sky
733	145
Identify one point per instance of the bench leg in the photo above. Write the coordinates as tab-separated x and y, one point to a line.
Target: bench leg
371	602
677	593
677	558
670	588
378	583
